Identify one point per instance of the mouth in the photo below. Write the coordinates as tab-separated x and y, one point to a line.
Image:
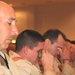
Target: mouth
9	40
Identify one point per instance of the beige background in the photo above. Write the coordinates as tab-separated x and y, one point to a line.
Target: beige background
44	17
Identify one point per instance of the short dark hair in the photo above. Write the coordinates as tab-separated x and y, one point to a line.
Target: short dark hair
29	38
71	41
53	34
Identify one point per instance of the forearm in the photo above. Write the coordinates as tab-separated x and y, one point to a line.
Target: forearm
48	72
67	69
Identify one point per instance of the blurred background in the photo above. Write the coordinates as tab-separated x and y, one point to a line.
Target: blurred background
41	15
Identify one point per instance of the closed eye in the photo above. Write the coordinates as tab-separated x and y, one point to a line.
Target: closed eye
9	23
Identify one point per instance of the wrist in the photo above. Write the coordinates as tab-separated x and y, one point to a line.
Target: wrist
48	68
67	61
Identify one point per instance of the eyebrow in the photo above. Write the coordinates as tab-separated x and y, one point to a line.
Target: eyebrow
12	19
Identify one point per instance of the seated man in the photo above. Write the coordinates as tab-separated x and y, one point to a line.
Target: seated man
55	43
8	30
29	45
71	46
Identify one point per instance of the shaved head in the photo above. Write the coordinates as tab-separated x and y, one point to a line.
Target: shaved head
8	28
3	4
4	8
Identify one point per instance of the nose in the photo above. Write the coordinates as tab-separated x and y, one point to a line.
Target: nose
14	30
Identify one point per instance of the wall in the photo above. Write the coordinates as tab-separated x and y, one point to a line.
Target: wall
61	16
42	18
25	18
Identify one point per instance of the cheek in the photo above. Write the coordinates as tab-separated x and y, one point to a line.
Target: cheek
2	37
36	54
54	46
54	49
5	33
73	54
33	55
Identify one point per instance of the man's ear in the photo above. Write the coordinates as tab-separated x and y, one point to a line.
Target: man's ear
25	49
47	43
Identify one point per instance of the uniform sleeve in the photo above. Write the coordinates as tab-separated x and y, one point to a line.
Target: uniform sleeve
67	70
4	71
